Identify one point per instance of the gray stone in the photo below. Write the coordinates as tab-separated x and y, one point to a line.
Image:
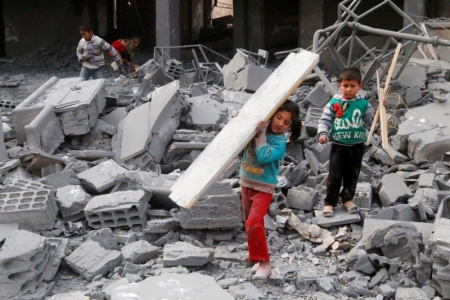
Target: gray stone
318	97
363	195
358	260
245	290
7	229
429	291
77	295
252	77
227	282
387	291
105	237
357	288
161	225
131	268
321	151
184	254
392	189
219	208
302	197
90	259
440	245
115	116
340	217
24	257
205	113
400	212
312	120
139	252
101	177
72	200
326	284
410	293
370	225
427	196
380	277
223	252
426	180
191	286
312	160
110	286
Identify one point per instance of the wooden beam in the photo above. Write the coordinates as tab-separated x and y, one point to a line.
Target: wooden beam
232	139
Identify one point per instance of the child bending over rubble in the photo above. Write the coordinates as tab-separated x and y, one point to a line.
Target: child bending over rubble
343	123
90	53
258	177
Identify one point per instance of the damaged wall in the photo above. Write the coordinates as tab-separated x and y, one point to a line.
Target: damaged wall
31	24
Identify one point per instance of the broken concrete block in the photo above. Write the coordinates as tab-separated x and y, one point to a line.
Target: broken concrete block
427	196
358	260
426	180
411	293
245	290
145	88
363	195
440	246
199	89
7	165
340	217
321	151
61	179
101	177
58	248
139	252
302	197
23	259
135	137
219	208
251	78
205	113
382	156
388	241
72	200
312	120
231	70
118	209
105	237
399	212
34	209
392	189
313	162
19	185
184	254
161	225
188	286
77	295
318	97
115	116
90	259
235	100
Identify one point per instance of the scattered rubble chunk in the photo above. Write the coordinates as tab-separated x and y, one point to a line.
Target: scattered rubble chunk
139	252
101	177
392	189
184	254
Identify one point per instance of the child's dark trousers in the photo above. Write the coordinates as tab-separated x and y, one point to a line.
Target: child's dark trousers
345	165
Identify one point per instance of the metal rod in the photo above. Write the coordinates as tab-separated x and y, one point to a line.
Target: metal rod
197	62
402	13
331	37
350	51
203	53
373	9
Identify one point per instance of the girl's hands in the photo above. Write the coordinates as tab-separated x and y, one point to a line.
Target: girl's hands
261	128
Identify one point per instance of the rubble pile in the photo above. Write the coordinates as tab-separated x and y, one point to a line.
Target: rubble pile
88	166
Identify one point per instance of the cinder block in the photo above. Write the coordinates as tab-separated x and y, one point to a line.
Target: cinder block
392	189
35	209
118	209
19	185
23	259
72	200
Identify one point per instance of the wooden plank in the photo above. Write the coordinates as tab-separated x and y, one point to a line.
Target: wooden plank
382	96
240	130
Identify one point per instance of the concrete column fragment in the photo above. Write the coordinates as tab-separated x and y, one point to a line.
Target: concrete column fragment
23	259
118	209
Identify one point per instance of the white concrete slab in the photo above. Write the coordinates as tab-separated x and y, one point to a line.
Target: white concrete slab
240	130
115	116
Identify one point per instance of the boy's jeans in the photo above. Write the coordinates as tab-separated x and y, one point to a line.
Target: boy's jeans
98	73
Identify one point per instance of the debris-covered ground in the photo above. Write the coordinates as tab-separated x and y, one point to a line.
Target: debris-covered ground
87	168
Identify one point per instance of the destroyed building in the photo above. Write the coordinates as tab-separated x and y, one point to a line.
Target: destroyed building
95	174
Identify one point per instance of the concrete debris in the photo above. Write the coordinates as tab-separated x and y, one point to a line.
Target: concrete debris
111	150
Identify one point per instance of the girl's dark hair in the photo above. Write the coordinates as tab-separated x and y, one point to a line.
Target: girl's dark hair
296	127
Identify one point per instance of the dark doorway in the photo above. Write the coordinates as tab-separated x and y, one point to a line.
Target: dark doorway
2	32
